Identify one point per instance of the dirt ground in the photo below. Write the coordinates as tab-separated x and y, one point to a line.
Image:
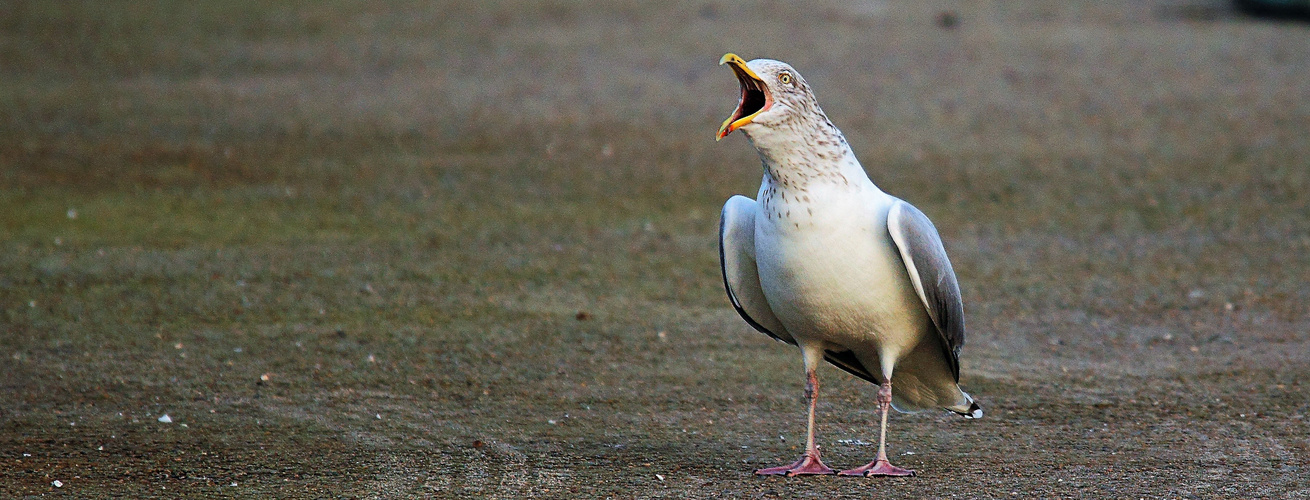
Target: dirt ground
467	249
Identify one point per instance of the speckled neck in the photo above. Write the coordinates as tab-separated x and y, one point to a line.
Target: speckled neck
805	149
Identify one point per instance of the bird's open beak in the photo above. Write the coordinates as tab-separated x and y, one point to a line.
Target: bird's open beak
755	96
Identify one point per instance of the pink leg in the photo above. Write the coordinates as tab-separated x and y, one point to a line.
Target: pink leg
809	462
880	466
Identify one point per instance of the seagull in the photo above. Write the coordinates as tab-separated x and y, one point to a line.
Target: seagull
825	260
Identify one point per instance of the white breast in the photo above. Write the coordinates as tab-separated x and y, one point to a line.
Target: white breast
831	272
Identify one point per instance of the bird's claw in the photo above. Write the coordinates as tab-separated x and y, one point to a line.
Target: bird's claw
880	467
808	465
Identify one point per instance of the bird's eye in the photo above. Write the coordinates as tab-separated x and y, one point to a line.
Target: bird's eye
785	78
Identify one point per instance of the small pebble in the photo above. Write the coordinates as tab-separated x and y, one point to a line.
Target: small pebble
166	419
57	483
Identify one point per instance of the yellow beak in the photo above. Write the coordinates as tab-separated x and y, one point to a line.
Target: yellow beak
753	93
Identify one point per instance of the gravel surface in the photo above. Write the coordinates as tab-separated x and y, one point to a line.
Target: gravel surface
467	249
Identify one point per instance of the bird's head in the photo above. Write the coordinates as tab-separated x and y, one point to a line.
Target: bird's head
772	93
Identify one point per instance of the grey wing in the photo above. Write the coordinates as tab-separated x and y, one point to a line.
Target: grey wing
740	274
930	270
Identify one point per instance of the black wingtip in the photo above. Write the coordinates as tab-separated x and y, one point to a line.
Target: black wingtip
974	412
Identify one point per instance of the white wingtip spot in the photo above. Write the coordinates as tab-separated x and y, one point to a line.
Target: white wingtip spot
975	414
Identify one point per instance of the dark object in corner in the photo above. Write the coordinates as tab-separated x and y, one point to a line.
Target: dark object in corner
1283	9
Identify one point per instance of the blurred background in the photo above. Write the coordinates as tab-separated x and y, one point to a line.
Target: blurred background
468	248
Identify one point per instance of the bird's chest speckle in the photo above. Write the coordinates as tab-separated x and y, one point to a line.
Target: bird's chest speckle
793	196
781	206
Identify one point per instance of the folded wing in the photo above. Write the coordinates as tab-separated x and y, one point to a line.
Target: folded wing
740	273
930	270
